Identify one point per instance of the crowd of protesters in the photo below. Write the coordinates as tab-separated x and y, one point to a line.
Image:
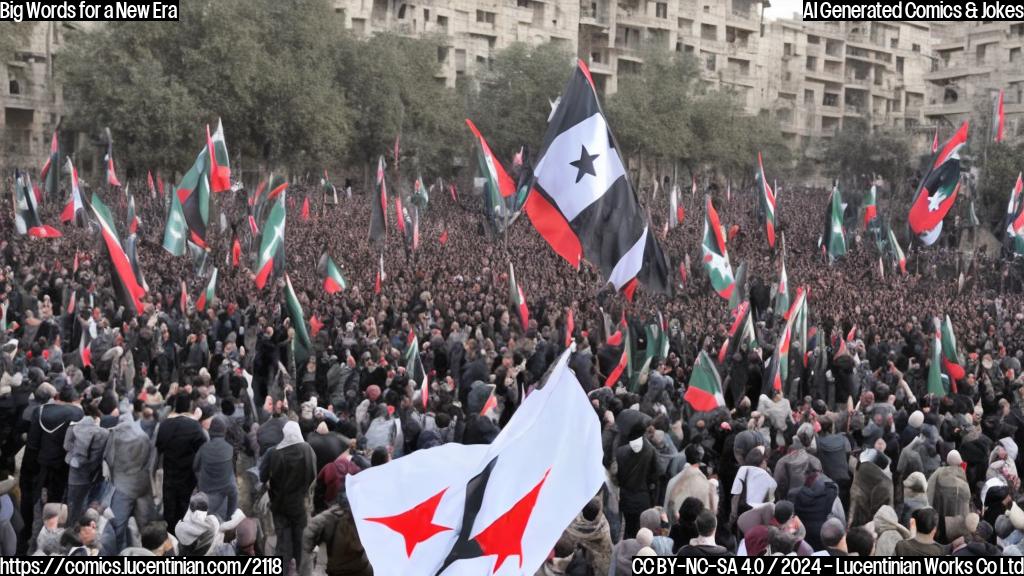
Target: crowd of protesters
195	432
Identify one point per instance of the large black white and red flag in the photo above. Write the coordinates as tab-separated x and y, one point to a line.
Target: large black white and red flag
26	210
938	190
582	201
478	510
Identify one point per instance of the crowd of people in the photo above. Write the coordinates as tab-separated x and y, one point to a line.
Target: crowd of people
195	432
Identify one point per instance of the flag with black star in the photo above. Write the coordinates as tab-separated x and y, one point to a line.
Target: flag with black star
582	201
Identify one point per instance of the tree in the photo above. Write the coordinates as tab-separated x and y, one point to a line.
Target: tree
855	155
156	86
652	112
997	176
512	106
390	84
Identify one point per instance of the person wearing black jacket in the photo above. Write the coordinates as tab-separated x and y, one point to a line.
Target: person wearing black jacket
637	477
48	429
289	470
178	439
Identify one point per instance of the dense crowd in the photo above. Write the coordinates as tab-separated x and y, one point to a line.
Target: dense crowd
194	432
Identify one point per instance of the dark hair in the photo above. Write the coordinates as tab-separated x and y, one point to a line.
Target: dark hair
781	542
442	420
706	523
694	454
379	456
182	403
926	519
592	509
153	535
68	394
860	541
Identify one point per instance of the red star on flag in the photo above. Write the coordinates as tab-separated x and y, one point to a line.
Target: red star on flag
416	524
504	537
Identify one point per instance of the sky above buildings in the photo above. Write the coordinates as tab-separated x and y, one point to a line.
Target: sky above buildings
784	8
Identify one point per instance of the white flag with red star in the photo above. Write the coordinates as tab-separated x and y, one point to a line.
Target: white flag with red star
478	510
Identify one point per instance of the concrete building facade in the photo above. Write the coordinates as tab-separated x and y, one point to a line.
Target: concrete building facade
30	96
972	62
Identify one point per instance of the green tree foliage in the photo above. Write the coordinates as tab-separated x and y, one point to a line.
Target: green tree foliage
249	62
512	106
999	171
391	86
855	155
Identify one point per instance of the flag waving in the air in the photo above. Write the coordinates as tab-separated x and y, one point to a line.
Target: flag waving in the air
206	296
176	229
582	202
517	298
108	161
334	282
938	190
301	343
461	510
950	357
270	258
782	293
871	206
219	165
1015	217
715	255
26	210
126	283
935	384
704	391
767	198
50	174
379	209
833	238
73	209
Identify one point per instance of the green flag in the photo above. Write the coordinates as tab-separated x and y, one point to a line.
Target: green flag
935	385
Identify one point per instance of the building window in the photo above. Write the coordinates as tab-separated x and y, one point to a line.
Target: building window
812	63
485	17
809	97
15	87
401	12
1014	54
894	42
661	10
813	40
709	61
426	15
787	49
523	3
708	32
830	100
442	21
915	48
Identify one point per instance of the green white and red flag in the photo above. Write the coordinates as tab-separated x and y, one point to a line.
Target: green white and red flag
704	392
334	282
207	294
517	298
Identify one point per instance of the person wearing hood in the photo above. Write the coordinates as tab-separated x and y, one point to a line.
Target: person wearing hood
84	444
625	550
791	469
871	488
815	503
480	428
637	476
330	481
200	533
289	469
214	467
1002	460
973	538
129	457
691	482
178	439
335	528
704	545
915	496
889	531
948	492
591	531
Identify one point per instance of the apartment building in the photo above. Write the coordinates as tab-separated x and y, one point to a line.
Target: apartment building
30	96
972	62
470	31
831	73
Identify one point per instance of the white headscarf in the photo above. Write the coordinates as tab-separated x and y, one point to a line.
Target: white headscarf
292	435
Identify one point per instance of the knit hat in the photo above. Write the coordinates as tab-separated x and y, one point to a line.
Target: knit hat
1016	516
646	551
916	482
916	419
953	458
644	537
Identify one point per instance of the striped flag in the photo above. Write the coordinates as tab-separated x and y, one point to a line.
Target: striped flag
935	383
126	284
208	293
50	174
26	210
379	214
301	344
219	165
767	202
582	202
334	282
704	392
715	254
517	298
75	204
998	118
270	258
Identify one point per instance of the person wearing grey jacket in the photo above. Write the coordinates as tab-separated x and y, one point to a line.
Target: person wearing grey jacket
129	459
85	443
214	467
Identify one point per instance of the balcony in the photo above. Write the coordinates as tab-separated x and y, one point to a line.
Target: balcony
960	71
823	76
737	77
595	18
747	20
944	109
